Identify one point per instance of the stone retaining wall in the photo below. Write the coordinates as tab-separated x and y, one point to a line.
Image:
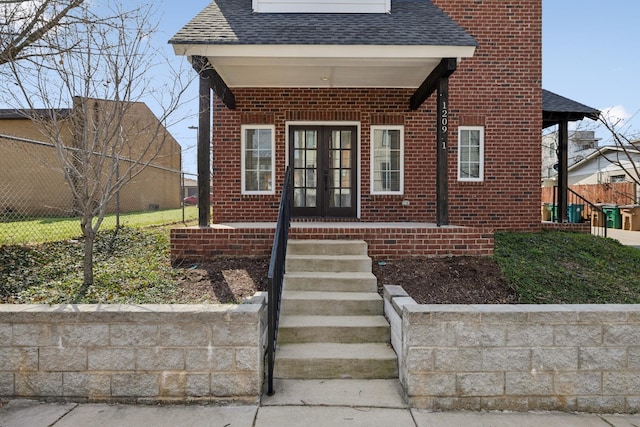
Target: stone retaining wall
126	353
517	357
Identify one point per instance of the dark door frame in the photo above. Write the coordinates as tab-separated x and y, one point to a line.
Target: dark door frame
324	131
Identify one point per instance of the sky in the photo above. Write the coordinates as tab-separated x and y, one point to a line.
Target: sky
591	54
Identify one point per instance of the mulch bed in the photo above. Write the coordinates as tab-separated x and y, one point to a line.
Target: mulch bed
451	280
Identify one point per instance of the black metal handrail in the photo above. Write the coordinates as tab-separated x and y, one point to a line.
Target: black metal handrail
593	213
276	275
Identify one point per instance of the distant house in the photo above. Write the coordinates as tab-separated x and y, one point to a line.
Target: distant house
32	181
581	143
608	165
189	187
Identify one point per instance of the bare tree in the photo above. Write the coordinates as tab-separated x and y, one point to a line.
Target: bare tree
26	27
103	143
624	144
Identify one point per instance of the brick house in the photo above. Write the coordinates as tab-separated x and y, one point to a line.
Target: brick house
422	115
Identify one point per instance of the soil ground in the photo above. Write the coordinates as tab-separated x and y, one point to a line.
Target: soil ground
451	280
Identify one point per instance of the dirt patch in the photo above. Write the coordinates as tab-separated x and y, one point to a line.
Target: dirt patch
453	280
223	280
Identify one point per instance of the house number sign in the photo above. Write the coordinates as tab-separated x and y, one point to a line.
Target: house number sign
444	123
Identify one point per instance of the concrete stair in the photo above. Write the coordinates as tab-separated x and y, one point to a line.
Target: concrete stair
331	322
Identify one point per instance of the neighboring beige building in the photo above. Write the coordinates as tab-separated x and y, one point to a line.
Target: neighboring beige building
32	181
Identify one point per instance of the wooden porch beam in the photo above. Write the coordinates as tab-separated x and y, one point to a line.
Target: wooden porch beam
563	165
444	69
220	88
204	151
442	153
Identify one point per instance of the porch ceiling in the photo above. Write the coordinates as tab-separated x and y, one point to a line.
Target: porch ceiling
324	66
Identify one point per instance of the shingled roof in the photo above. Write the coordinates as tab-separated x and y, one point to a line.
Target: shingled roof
411	22
556	108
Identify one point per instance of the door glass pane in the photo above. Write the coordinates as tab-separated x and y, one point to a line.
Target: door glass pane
305	159
346	159
335	159
298	197
345	139
311	180
298	178
345	198
311	198
334	140
312	139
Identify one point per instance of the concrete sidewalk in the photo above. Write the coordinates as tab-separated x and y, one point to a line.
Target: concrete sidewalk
296	403
25	413
626	237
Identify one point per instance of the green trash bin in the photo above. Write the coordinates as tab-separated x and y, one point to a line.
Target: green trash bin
612	214
574	212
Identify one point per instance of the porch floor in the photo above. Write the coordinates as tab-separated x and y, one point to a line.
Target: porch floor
336	225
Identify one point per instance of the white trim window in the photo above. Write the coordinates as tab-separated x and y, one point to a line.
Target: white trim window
387	159
471	153
258	159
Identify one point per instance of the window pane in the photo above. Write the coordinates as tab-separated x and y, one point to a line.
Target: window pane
394	184
251	180
387	160
258	159
250	160
470	154
394	139
265	181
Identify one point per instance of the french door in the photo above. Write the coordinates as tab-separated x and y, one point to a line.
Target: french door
324	161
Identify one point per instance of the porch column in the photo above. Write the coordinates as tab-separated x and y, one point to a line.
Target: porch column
438	81
204	152
442	158
563	162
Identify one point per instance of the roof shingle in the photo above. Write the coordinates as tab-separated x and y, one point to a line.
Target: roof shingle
411	22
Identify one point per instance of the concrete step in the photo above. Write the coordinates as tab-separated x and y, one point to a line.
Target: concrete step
366	393
330	281
335	361
331	303
327	247
339	329
329	263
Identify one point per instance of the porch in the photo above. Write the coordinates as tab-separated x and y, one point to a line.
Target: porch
386	240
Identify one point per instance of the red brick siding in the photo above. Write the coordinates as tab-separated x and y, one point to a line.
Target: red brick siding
195	244
500	87
580	227
502	84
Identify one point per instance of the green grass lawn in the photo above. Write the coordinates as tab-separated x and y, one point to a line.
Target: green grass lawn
131	266
568	268
40	230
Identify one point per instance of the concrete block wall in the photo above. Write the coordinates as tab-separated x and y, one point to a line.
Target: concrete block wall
143	353
517	357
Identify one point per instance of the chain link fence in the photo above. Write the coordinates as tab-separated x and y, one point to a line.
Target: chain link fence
36	202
